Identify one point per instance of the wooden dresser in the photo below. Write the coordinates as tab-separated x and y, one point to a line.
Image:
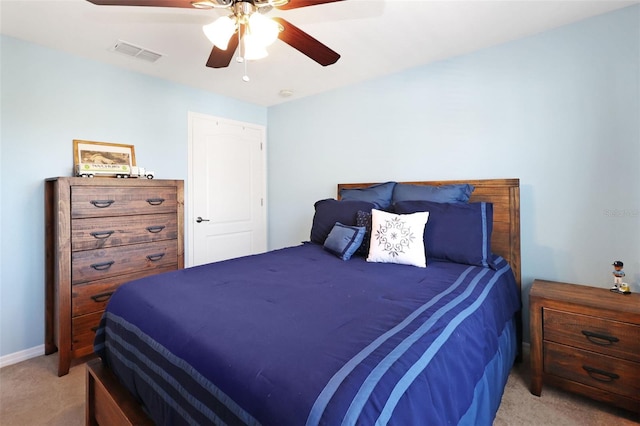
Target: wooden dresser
99	234
586	340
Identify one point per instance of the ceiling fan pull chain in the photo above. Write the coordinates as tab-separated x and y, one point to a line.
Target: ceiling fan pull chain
241	54
240	57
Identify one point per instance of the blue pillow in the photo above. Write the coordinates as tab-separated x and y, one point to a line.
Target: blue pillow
455	232
344	240
380	194
457	193
330	211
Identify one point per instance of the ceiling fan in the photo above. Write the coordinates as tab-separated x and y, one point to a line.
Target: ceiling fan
247	27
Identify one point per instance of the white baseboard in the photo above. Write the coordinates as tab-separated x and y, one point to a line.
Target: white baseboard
24	355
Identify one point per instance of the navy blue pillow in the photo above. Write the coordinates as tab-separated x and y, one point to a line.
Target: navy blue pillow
456	193
380	194
455	232
344	240
330	211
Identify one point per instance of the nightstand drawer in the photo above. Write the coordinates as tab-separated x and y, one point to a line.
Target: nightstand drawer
599	371
600	335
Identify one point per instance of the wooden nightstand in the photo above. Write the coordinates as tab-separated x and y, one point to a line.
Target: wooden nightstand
586	340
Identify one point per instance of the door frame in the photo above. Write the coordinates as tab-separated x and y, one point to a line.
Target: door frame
189	213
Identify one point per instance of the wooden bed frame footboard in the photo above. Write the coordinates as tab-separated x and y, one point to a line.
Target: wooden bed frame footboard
110	403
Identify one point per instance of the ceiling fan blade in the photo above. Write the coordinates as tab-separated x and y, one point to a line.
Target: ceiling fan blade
222	58
295	4
306	44
154	3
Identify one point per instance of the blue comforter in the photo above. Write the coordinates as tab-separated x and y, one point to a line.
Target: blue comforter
297	336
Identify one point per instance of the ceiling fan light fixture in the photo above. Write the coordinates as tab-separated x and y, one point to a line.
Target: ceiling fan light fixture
219	32
264	30
253	49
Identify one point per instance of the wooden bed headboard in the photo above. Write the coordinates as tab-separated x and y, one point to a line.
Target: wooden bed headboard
505	196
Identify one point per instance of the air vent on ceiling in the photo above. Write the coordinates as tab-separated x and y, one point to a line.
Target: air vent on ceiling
135	51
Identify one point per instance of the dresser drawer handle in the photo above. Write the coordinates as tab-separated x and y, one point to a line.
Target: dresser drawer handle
600	375
155	201
155	257
600	339
102	297
101	235
101	204
155	229
102	266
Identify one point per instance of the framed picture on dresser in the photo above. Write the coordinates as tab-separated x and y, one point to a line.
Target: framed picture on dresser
102	158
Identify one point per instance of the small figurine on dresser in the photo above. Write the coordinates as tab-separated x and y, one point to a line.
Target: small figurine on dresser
618	275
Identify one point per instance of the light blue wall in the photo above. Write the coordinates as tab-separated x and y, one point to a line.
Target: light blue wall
50	98
559	110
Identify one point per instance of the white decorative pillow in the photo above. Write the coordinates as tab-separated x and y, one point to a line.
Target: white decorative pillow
398	238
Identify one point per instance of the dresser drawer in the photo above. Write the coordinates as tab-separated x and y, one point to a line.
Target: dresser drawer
94	296
600	335
98	264
103	232
83	331
101	201
610	374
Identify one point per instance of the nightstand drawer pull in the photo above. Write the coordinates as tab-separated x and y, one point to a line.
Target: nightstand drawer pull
155	257
600	375
101	204
102	297
155	229
101	235
155	201
102	266
600	339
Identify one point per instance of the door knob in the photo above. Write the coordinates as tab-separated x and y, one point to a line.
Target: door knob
199	219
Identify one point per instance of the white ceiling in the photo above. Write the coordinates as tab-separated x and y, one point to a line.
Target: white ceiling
374	37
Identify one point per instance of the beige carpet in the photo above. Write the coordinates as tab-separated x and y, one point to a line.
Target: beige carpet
32	394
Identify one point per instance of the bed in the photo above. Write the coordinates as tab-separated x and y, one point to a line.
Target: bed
301	336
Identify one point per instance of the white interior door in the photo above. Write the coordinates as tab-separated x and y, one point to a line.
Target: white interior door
227	187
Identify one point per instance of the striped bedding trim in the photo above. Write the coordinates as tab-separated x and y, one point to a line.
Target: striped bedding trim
168	379
372	380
